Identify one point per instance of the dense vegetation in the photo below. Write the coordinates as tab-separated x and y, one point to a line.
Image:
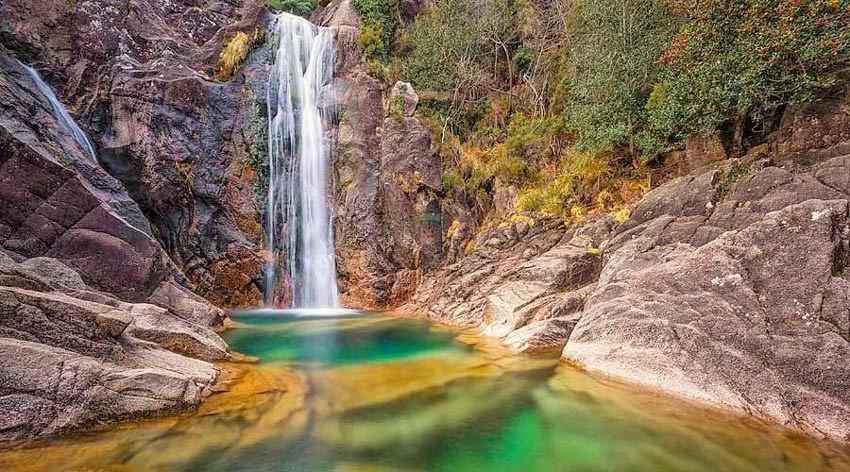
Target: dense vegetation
571	101
297	7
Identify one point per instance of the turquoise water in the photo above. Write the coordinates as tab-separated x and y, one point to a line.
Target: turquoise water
288	339
374	393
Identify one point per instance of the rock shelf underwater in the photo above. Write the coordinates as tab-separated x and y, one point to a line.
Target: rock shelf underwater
372	392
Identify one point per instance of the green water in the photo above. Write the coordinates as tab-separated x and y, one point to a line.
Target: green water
317	342
372	393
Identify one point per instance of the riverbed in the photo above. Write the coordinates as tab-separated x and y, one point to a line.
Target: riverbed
372	392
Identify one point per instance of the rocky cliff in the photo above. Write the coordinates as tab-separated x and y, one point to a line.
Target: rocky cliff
110	268
387	178
728	285
138	76
95	323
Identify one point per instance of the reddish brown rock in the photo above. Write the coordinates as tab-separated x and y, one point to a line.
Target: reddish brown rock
388	221
138	78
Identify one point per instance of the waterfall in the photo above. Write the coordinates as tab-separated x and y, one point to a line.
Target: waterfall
300	112
61	114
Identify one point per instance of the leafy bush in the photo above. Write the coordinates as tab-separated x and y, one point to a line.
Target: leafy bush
458	48
736	60
301	8
378	28
583	183
613	64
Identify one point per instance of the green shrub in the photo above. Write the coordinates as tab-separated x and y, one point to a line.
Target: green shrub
613	65
731	61
301	8
522	59
377	29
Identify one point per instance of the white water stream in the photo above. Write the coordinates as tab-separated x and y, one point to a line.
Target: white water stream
299	227
61	114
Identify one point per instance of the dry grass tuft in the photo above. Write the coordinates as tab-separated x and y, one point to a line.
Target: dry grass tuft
235	51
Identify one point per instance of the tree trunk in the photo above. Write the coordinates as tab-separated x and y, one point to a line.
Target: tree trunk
739	130
632	150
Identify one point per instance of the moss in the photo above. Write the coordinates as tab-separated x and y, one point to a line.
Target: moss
397	108
731	177
622	215
453	230
257	152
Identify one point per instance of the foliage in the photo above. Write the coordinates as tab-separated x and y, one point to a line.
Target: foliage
378	27
302	8
734	60
523	59
583	183
460	49
536	139
234	52
613	64
571	100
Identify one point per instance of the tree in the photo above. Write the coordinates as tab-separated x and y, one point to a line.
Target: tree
614	47
457	48
734	61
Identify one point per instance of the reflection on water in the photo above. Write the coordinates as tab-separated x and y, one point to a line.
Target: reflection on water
371	393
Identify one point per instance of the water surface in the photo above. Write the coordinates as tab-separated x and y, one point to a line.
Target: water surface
374	393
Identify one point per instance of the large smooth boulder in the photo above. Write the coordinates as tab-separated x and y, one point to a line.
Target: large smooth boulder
49	390
72	357
755	320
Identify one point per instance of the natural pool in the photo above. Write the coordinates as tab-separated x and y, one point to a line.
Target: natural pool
374	393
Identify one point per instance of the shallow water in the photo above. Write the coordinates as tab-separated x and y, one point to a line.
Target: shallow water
372	393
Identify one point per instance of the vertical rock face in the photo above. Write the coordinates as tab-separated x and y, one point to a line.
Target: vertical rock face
387	178
138	75
96	321
57	203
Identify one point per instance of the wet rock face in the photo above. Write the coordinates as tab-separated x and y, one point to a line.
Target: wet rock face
388	222
138	76
410	182
57	203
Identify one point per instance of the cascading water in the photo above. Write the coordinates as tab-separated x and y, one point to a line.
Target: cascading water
300	111
61	114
